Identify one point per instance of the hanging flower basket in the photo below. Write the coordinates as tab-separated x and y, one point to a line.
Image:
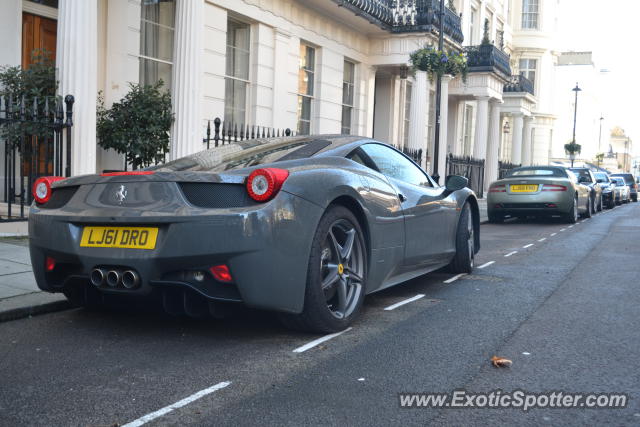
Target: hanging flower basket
572	148
438	63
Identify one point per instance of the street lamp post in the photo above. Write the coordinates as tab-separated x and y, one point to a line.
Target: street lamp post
575	116
436	143
600	135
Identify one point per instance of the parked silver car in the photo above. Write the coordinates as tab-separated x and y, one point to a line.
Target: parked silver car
622	192
539	191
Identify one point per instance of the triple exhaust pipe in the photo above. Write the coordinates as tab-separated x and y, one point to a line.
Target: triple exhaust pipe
114	278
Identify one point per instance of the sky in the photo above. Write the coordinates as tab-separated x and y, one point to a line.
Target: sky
611	30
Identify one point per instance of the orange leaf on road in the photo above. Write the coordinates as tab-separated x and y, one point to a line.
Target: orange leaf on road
500	362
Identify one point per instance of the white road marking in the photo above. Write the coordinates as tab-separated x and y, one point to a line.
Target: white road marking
178	404
527	246
320	340
526	353
586	219
563	229
487	264
407	301
553	234
510	253
454	278
360	379
571	226
542	240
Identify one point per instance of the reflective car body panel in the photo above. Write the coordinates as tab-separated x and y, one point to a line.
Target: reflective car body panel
204	217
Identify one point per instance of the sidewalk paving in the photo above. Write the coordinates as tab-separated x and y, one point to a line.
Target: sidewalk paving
19	294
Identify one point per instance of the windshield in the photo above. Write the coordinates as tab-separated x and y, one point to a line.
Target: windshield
627	177
582	173
602	176
617	181
538	172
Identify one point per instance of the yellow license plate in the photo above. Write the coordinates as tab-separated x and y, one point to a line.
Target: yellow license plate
524	188
119	237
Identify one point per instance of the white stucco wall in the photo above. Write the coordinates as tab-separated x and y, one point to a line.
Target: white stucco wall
11	32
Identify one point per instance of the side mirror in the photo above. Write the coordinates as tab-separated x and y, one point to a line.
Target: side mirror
455	183
599	180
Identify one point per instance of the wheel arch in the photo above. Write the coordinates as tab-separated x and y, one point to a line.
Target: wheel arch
356	208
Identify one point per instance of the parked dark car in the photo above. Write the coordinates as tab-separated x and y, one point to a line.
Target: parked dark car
608	189
630	181
586	177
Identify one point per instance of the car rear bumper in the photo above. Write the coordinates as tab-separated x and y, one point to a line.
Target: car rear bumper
266	248
543	203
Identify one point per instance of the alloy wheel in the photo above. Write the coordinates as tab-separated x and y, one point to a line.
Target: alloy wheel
342	268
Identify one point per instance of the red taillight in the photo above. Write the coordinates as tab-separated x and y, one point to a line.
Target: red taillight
128	173
42	188
221	273
50	264
264	184
553	187
500	188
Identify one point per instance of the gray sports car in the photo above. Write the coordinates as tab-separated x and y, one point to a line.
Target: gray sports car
305	226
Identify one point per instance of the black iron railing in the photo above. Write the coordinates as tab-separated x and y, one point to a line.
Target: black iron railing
401	16
37	142
487	57
504	167
469	167
519	83
414	154
226	133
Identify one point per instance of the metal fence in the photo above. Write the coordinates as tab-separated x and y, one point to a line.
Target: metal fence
415	155
469	167
37	142
226	133
504	167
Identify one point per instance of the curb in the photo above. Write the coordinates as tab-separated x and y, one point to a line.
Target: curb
32	309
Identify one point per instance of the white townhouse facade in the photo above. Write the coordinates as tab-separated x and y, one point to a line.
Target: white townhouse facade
314	66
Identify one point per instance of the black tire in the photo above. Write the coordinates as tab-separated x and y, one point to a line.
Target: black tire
464	259
612	203
601	204
334	307
590	204
572	216
635	199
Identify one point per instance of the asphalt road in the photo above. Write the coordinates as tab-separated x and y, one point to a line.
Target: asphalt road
565	310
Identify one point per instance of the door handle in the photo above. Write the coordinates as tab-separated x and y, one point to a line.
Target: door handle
402	197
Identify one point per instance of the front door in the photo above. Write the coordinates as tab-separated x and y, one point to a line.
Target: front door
428	215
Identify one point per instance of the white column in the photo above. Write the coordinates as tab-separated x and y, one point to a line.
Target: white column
482	121
444	127
526	142
491	164
280	76
77	64
516	141
370	86
418	113
186	133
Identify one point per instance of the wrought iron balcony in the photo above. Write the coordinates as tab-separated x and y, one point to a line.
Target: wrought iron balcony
402	16
519	83
487	57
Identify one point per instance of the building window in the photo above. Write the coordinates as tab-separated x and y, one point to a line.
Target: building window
467	129
528	69
530	14
472	26
407	113
156	41
306	76
236	81
348	86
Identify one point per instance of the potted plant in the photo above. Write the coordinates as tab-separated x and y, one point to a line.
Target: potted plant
439	63
572	149
138	125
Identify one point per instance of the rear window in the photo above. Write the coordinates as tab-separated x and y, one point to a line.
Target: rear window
582	173
602	176
628	178
246	154
538	172
618	181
